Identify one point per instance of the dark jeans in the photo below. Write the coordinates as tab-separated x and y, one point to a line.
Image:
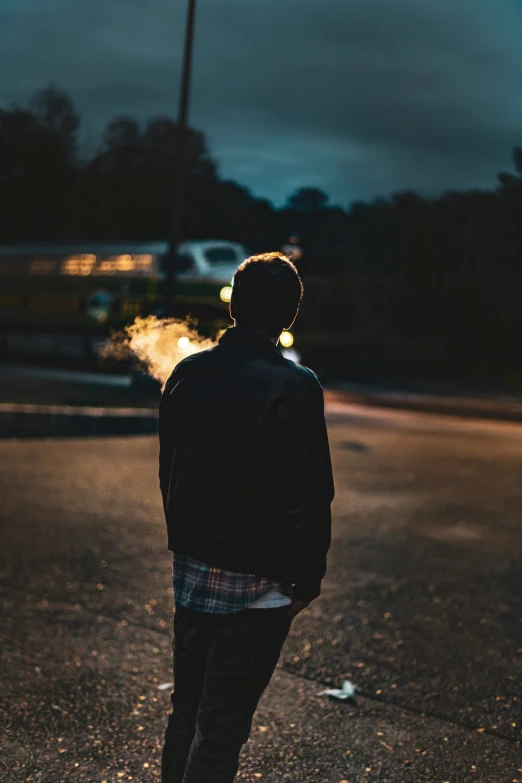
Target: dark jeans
222	665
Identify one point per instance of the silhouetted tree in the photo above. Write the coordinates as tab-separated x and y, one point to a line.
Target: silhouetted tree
56	112
307	200
132	176
38	170
416	286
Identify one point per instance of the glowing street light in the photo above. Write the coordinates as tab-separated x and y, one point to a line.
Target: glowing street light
226	293
286	339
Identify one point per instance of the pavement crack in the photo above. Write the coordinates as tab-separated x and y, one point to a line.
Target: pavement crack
61	603
406	708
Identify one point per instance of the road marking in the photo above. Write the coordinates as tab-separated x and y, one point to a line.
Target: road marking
69	376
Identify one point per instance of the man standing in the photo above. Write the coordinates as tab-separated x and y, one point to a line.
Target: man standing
246	481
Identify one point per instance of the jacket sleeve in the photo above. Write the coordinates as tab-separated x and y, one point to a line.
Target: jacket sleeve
166	437
305	486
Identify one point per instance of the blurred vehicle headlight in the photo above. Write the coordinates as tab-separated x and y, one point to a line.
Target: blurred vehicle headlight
226	293
286	339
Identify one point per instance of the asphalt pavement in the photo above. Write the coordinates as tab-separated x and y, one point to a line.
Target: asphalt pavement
420	609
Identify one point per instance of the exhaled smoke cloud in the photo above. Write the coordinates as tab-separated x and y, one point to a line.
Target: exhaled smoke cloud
158	344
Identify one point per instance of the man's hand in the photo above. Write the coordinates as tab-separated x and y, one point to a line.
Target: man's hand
296	607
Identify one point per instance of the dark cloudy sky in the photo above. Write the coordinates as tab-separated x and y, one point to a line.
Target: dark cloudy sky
359	97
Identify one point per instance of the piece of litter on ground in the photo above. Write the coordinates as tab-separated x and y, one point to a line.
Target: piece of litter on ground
165	685
346	692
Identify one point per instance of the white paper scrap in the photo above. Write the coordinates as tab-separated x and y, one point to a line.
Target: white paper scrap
346	692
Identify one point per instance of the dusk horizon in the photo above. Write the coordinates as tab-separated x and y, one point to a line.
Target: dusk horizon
360	100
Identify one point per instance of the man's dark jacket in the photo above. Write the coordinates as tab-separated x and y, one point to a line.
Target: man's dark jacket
245	468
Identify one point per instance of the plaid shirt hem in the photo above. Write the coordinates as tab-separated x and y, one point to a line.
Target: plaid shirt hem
205	588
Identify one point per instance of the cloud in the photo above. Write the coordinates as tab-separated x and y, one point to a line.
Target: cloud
359	97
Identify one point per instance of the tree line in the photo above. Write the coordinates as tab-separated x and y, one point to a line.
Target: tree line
124	189
418	286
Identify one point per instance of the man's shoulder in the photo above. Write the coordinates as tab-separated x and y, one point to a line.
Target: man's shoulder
303	374
289	377
190	364
196	360
297	380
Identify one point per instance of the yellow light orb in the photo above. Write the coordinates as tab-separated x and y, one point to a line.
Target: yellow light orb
183	343
226	293
286	339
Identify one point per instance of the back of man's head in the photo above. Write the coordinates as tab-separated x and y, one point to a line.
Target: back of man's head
266	294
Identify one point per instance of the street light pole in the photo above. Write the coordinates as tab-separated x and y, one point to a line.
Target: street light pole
180	172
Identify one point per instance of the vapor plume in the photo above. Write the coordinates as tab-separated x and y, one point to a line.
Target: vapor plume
158	344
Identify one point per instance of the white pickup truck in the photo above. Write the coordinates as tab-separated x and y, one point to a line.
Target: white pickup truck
210	259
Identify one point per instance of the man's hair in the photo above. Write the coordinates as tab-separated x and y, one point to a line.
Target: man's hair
266	293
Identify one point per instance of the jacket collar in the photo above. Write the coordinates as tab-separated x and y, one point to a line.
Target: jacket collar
251	338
